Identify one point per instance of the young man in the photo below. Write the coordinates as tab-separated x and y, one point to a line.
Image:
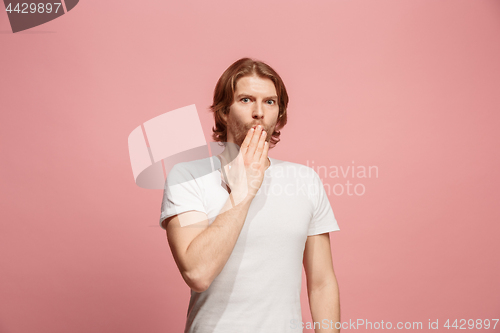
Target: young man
241	225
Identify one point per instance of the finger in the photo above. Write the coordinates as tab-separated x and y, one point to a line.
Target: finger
263	156
223	160
255	140
224	168
260	146
246	142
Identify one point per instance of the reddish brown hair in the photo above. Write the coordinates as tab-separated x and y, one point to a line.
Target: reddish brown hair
224	95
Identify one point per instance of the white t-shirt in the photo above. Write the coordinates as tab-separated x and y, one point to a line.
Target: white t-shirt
258	290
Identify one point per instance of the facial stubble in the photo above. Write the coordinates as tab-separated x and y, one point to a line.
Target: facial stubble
240	130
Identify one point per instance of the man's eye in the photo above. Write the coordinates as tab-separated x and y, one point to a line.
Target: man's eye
272	101
244	99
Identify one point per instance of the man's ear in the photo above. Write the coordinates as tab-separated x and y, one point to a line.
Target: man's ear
224	115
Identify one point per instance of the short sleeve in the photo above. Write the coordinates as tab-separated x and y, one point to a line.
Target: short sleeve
181	194
322	220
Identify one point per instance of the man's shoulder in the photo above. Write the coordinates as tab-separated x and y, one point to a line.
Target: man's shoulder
192	169
194	165
292	168
289	164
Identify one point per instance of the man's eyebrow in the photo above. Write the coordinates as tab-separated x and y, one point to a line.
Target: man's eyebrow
248	95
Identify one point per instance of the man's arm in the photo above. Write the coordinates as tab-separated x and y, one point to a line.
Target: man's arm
201	250
322	287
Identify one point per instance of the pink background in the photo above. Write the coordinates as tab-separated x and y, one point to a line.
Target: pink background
408	86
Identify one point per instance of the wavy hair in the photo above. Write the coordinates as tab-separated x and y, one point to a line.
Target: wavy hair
224	95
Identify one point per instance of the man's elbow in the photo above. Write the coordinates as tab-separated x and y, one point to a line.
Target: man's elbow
196	281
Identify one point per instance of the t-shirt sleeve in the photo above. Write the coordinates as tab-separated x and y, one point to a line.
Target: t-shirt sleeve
323	220
181	194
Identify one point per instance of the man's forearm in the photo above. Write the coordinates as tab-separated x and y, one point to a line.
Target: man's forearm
211	249
325	307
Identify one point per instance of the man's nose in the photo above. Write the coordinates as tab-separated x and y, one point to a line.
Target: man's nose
258	111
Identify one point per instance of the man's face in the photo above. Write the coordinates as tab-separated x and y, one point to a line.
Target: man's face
255	103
